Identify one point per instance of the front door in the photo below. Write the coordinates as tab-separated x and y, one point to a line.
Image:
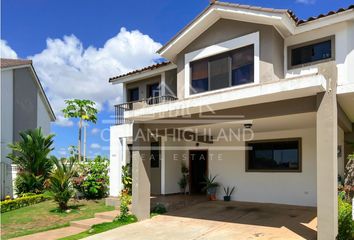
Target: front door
198	165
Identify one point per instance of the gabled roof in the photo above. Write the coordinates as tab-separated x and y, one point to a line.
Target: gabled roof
22	63
6	62
285	21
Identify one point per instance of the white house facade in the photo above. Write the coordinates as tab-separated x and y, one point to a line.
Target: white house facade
255	96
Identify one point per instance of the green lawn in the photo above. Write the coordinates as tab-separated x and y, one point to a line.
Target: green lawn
45	216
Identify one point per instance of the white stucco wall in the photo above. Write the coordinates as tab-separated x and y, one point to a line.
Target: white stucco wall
118	156
173	161
344	50
43	119
272	187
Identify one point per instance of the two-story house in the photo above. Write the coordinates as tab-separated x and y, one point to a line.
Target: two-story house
254	95
24	105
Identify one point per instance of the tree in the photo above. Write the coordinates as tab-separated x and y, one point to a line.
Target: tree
60	181
84	110
31	155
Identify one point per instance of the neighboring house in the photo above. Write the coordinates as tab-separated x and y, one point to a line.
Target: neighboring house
290	81
24	106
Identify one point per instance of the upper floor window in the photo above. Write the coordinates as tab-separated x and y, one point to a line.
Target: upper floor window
224	70
133	94
153	90
312	52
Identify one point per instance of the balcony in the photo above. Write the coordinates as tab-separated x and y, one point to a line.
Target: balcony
123	107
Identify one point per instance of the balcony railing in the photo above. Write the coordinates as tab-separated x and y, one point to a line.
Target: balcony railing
121	108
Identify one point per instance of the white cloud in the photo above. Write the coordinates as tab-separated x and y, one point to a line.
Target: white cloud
95	131
6	50
64	122
68	70
307	2
95	146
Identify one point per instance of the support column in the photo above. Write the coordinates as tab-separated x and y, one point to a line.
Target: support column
141	173
115	163
327	169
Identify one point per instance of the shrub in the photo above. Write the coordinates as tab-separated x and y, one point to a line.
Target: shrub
345	222
92	179
127	179
349	178
125	200
60	181
30	154
20	202
26	182
159	209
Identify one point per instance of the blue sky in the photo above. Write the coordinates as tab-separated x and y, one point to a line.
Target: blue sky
77	45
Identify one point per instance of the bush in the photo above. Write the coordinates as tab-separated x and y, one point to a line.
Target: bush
28	183
31	155
60	182
20	202
125	200
159	209
127	179
92	180
345	222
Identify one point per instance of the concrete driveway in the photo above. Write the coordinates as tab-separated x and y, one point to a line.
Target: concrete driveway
223	220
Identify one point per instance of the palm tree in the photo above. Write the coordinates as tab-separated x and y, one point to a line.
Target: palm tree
60	181
82	109
31	155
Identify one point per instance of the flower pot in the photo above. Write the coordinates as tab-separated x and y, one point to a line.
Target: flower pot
227	198
211	192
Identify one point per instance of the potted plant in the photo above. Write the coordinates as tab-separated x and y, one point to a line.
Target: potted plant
210	187
183	182
228	193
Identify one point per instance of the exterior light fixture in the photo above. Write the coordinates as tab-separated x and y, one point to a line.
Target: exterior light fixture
247	125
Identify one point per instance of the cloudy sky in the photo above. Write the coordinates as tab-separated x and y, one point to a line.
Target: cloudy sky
77	45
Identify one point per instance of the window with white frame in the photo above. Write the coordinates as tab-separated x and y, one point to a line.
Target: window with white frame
223	70
223	65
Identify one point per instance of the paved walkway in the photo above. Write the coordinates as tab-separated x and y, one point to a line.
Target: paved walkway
75	227
222	220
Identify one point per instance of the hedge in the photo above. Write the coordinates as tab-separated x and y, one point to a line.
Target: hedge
20	202
345	222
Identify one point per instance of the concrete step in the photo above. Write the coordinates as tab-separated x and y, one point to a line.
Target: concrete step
87	223
52	234
111	215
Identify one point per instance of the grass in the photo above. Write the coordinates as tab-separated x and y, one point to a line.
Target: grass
95	229
45	216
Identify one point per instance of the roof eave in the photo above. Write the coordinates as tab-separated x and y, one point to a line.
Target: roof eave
144	74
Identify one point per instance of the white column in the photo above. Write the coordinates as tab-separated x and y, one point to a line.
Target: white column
163	84
115	165
163	165
327	168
